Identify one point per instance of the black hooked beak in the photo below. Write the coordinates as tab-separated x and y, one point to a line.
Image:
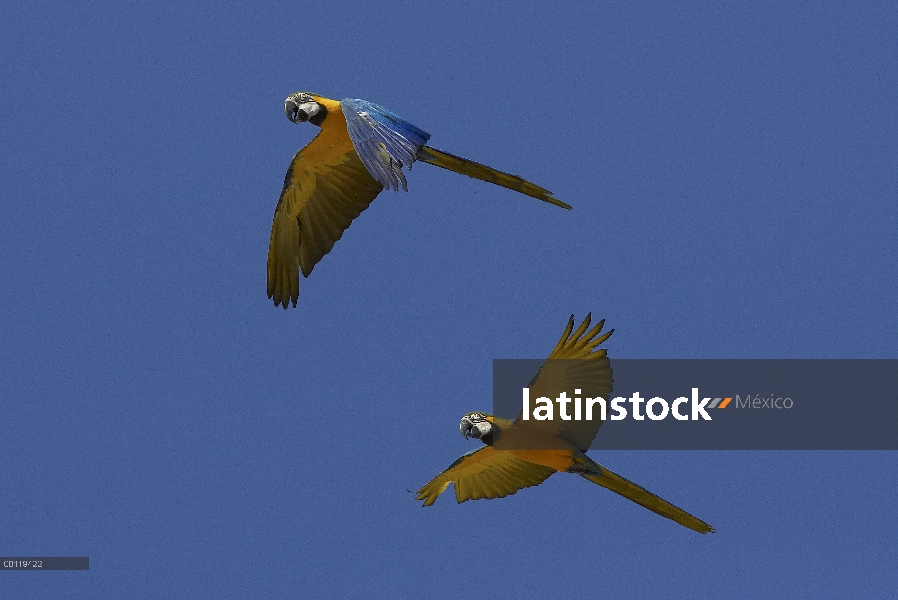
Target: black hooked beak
291	109
467	429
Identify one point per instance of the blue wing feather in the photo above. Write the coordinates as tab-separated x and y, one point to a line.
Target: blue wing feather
383	140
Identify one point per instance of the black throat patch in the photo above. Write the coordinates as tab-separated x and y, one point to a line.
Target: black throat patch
319	116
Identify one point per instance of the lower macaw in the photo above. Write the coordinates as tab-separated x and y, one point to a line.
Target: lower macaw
523	453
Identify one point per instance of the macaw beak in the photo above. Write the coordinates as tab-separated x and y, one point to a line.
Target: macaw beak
466	428
291	109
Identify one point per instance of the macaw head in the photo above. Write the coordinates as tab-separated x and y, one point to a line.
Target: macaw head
302	106
479	426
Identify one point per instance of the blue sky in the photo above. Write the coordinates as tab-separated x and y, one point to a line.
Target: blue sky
733	173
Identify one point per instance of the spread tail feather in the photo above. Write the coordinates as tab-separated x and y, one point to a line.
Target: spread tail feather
643	497
485	173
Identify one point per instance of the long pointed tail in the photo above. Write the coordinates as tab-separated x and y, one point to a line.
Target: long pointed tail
639	495
485	173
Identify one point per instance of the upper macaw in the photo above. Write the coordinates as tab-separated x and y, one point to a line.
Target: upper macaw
360	150
501	467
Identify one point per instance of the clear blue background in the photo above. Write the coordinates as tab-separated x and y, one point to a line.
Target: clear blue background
734	175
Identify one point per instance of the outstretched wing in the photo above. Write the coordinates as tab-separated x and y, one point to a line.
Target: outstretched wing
575	363
485	473
326	187
383	140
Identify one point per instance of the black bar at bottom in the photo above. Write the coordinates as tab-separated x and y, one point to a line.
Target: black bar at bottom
44	563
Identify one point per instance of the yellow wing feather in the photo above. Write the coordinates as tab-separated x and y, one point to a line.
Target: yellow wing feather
485	473
326	187
574	363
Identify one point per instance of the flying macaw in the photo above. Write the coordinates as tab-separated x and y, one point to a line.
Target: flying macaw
359	151
548	446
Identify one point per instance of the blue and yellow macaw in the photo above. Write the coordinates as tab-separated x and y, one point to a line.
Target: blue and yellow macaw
361	149
524	453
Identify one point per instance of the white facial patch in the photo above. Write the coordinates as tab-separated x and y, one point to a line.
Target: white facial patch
310	108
